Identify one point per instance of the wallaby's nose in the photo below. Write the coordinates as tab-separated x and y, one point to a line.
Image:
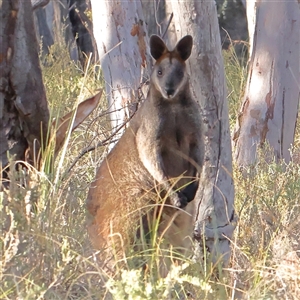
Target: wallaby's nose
170	91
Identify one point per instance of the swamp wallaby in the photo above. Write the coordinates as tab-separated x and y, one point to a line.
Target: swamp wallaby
153	171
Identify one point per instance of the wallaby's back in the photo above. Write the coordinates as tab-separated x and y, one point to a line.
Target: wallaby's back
156	163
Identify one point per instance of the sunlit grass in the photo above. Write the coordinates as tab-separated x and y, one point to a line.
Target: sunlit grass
236	76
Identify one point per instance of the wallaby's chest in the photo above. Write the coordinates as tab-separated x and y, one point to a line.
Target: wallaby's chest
177	128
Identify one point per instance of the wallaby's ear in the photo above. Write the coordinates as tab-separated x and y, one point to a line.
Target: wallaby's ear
157	46
83	110
184	47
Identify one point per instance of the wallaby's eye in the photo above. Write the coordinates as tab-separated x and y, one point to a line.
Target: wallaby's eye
180	73
159	73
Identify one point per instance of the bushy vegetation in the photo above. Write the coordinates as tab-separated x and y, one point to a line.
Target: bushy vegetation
45	251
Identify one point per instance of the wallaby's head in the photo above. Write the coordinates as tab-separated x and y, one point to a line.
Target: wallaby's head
169	72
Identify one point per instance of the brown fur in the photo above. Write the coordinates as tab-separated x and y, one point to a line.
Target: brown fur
159	154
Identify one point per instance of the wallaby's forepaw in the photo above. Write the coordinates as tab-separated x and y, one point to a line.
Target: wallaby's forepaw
179	200
190	191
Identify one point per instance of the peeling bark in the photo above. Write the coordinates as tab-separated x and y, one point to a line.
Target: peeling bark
121	38
24	111
214	221
270	107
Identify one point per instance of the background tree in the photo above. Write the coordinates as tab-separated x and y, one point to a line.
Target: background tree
215	197
66	22
23	104
155	16
24	112
82	29
121	37
53	26
270	106
231	13
158	17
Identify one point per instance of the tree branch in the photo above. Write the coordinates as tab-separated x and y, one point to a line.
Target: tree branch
100	144
39	3
170	20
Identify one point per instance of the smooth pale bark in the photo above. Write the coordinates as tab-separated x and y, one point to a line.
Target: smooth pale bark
154	14
157	16
121	38
171	37
270	107
24	111
214	220
251	19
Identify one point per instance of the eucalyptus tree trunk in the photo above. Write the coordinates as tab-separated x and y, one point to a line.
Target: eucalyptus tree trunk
251	19
121	38
158	18
214	220
24	111
270	107
171	36
53	26
44	29
82	29
154	15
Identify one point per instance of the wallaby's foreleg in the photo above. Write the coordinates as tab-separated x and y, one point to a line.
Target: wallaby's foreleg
196	159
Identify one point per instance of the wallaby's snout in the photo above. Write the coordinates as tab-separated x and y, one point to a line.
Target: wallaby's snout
170	90
175	79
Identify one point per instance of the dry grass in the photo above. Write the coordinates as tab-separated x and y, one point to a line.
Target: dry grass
46	253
